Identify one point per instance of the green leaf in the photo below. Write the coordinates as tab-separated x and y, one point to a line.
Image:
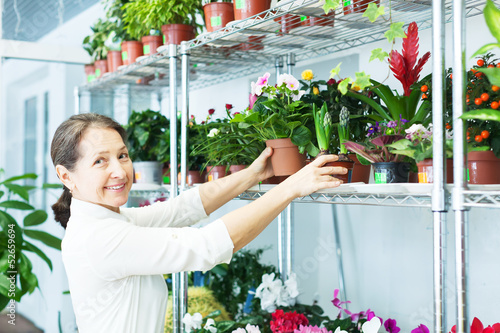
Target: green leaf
335	71
301	136
362	80
16	205
4	285
379	54
19	190
482	114
44	237
492	18
395	31
55	186
35	218
373	12
486	48
493	75
330	5
30	247
25	176
343	85
2	193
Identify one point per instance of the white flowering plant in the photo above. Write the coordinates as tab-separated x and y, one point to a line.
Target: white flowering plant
418	143
273	293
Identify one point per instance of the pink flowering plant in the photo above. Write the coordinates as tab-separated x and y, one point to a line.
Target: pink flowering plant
278	112
418	143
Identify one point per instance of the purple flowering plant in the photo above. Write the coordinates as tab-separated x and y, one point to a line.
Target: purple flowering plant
379	136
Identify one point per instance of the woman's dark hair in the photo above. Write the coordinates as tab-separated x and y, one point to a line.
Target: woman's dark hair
64	151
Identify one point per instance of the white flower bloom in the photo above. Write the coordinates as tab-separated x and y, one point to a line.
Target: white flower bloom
338	330
239	330
236	288
267	280
252	328
291	286
449	134
371	326
213	132
299	96
210	326
416	128
268	301
192	322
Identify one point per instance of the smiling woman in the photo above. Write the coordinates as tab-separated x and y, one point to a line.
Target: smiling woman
115	257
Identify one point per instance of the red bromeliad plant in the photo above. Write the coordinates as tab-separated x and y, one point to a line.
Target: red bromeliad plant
406	68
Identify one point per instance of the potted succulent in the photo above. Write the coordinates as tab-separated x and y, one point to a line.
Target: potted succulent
281	120
418	146
483	102
17	276
218	13
148	143
389	167
94	44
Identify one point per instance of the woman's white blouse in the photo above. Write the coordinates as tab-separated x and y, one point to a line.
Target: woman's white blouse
115	261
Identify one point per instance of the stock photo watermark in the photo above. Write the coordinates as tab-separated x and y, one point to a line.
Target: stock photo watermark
11	275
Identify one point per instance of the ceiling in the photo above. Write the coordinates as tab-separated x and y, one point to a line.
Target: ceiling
29	20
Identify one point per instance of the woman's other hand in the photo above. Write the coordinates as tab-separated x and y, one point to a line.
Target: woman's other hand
261	168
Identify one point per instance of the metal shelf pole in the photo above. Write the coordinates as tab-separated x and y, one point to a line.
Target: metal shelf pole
438	191
290	62
278	64
282	217
340	263
289	240
177	280
459	160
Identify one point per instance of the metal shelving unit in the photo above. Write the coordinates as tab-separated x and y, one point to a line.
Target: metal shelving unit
256	44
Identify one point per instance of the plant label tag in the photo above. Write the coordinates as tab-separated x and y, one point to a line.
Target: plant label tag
138	176
240	4
98	72
146	49
124	55
164	40
422	177
381	177
90	78
216	21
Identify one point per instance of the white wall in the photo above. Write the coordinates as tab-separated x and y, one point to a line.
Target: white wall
387	251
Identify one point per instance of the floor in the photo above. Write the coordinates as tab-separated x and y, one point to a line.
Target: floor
22	325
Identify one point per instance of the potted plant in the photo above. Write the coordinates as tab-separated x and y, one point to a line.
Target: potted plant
94	44
389	167
218	13
195	160
483	115
175	18
148	143
282	121
323	126
247	8
418	146
17	276
141	25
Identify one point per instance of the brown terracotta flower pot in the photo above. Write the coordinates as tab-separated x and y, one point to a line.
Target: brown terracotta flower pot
360	173
274	180
286	159
193	177
218	14
90	72
236	168
131	50
483	167
114	60
245	8
254	44
150	44
101	67
177	33
288	22
215	172
327	20
357	6
345	162
426	171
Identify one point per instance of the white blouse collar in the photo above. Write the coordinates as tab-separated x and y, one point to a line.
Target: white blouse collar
79	207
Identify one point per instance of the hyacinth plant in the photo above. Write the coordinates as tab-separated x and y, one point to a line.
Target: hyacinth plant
278	113
323	125
406	68
418	143
343	129
380	136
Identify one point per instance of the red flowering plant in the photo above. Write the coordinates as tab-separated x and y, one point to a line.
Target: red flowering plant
287	322
478	327
406	67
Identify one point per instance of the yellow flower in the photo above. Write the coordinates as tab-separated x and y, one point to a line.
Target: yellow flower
355	87
307	75
315	91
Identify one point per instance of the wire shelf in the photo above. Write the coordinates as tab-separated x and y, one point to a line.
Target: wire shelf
251	46
482	198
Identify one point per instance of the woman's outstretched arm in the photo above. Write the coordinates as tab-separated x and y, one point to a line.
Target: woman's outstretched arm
244	224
